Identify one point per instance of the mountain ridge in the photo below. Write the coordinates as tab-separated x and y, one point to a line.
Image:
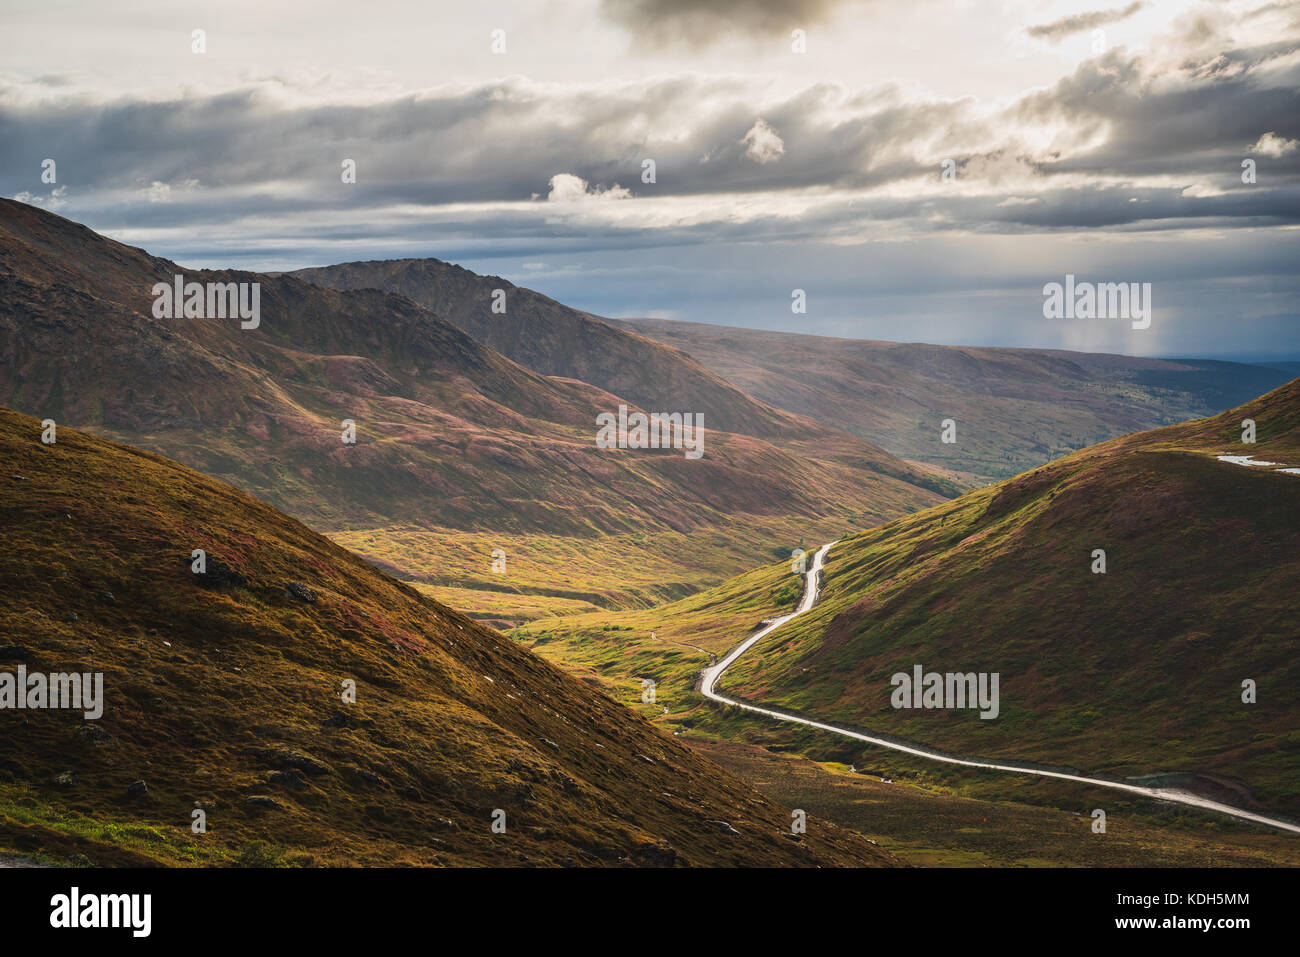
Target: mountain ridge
1015	408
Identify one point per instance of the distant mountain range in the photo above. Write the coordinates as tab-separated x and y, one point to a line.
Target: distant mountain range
551	338
450	434
1014	409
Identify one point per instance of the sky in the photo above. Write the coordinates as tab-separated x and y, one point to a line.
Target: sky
919	170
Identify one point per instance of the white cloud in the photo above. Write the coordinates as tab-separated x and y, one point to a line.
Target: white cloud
762	144
161	192
567	188
54	201
1270	144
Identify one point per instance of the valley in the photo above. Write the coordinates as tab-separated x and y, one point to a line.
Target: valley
226	702
452	451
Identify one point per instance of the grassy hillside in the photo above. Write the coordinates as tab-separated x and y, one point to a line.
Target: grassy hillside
1015	409
667	644
223	694
1137	671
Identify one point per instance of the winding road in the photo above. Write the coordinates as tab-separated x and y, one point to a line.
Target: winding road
812	588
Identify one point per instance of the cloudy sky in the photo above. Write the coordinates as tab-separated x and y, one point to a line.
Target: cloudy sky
920	169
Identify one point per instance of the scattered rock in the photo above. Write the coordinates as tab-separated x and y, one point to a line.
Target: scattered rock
261	800
369	777
71	616
107	598
67	779
522	767
725	828
300	591
137	789
216	574
286	779
94	734
294	759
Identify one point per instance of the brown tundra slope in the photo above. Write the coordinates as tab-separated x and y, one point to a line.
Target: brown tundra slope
450	433
554	339
222	693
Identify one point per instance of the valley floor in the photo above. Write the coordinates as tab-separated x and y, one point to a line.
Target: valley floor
934	828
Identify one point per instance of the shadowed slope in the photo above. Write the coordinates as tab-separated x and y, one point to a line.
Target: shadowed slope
226	687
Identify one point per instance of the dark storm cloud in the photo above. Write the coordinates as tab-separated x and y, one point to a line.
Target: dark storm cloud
1083	21
699	22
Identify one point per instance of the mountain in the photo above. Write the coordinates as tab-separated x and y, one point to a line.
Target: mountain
452	438
222	693
555	340
1134	672
1137	670
1014	409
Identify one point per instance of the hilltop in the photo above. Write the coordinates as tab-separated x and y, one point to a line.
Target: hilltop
556	340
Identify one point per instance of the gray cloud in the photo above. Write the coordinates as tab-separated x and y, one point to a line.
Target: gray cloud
1143	150
701	22
243	152
1083	21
